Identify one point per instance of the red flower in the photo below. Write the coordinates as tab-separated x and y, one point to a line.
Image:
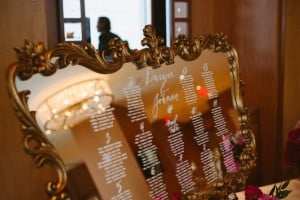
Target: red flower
176	196
252	192
292	150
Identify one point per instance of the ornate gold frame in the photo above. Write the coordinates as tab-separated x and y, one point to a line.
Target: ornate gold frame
34	58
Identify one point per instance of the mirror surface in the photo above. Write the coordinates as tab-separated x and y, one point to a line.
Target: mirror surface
149	132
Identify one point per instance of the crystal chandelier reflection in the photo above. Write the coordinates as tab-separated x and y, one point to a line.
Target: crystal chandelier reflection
73	104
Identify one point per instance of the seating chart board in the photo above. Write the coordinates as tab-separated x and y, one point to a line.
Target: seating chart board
172	123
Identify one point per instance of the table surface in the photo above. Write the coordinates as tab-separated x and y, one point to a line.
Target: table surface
294	186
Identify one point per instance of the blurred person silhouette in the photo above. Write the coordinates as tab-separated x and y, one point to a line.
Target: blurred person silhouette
106	35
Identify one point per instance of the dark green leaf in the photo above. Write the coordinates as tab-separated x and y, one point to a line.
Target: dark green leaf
272	190
283	193
285	184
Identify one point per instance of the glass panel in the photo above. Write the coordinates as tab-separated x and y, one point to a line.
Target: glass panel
181	28
130	15
71	9
180	10
73	31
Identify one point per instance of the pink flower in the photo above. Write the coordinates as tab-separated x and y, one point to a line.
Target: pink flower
176	196
292	150
252	192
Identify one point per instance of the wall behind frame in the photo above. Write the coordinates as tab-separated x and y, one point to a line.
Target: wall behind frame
266	36
291	111
258	38
19	20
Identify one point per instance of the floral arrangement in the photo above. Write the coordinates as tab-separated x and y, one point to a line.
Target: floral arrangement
276	193
291	158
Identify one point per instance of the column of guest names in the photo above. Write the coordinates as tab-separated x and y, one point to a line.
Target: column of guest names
187	83
219	120
112	162
112	157
202	139
183	167
147	151
135	105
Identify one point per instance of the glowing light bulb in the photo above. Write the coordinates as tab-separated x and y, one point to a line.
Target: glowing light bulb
84	106
98	92
66	102
101	107
84	94
181	77
68	113
96	98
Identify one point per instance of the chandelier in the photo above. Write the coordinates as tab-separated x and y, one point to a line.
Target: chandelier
73	104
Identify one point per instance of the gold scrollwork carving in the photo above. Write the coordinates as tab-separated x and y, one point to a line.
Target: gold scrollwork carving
36	143
32	60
